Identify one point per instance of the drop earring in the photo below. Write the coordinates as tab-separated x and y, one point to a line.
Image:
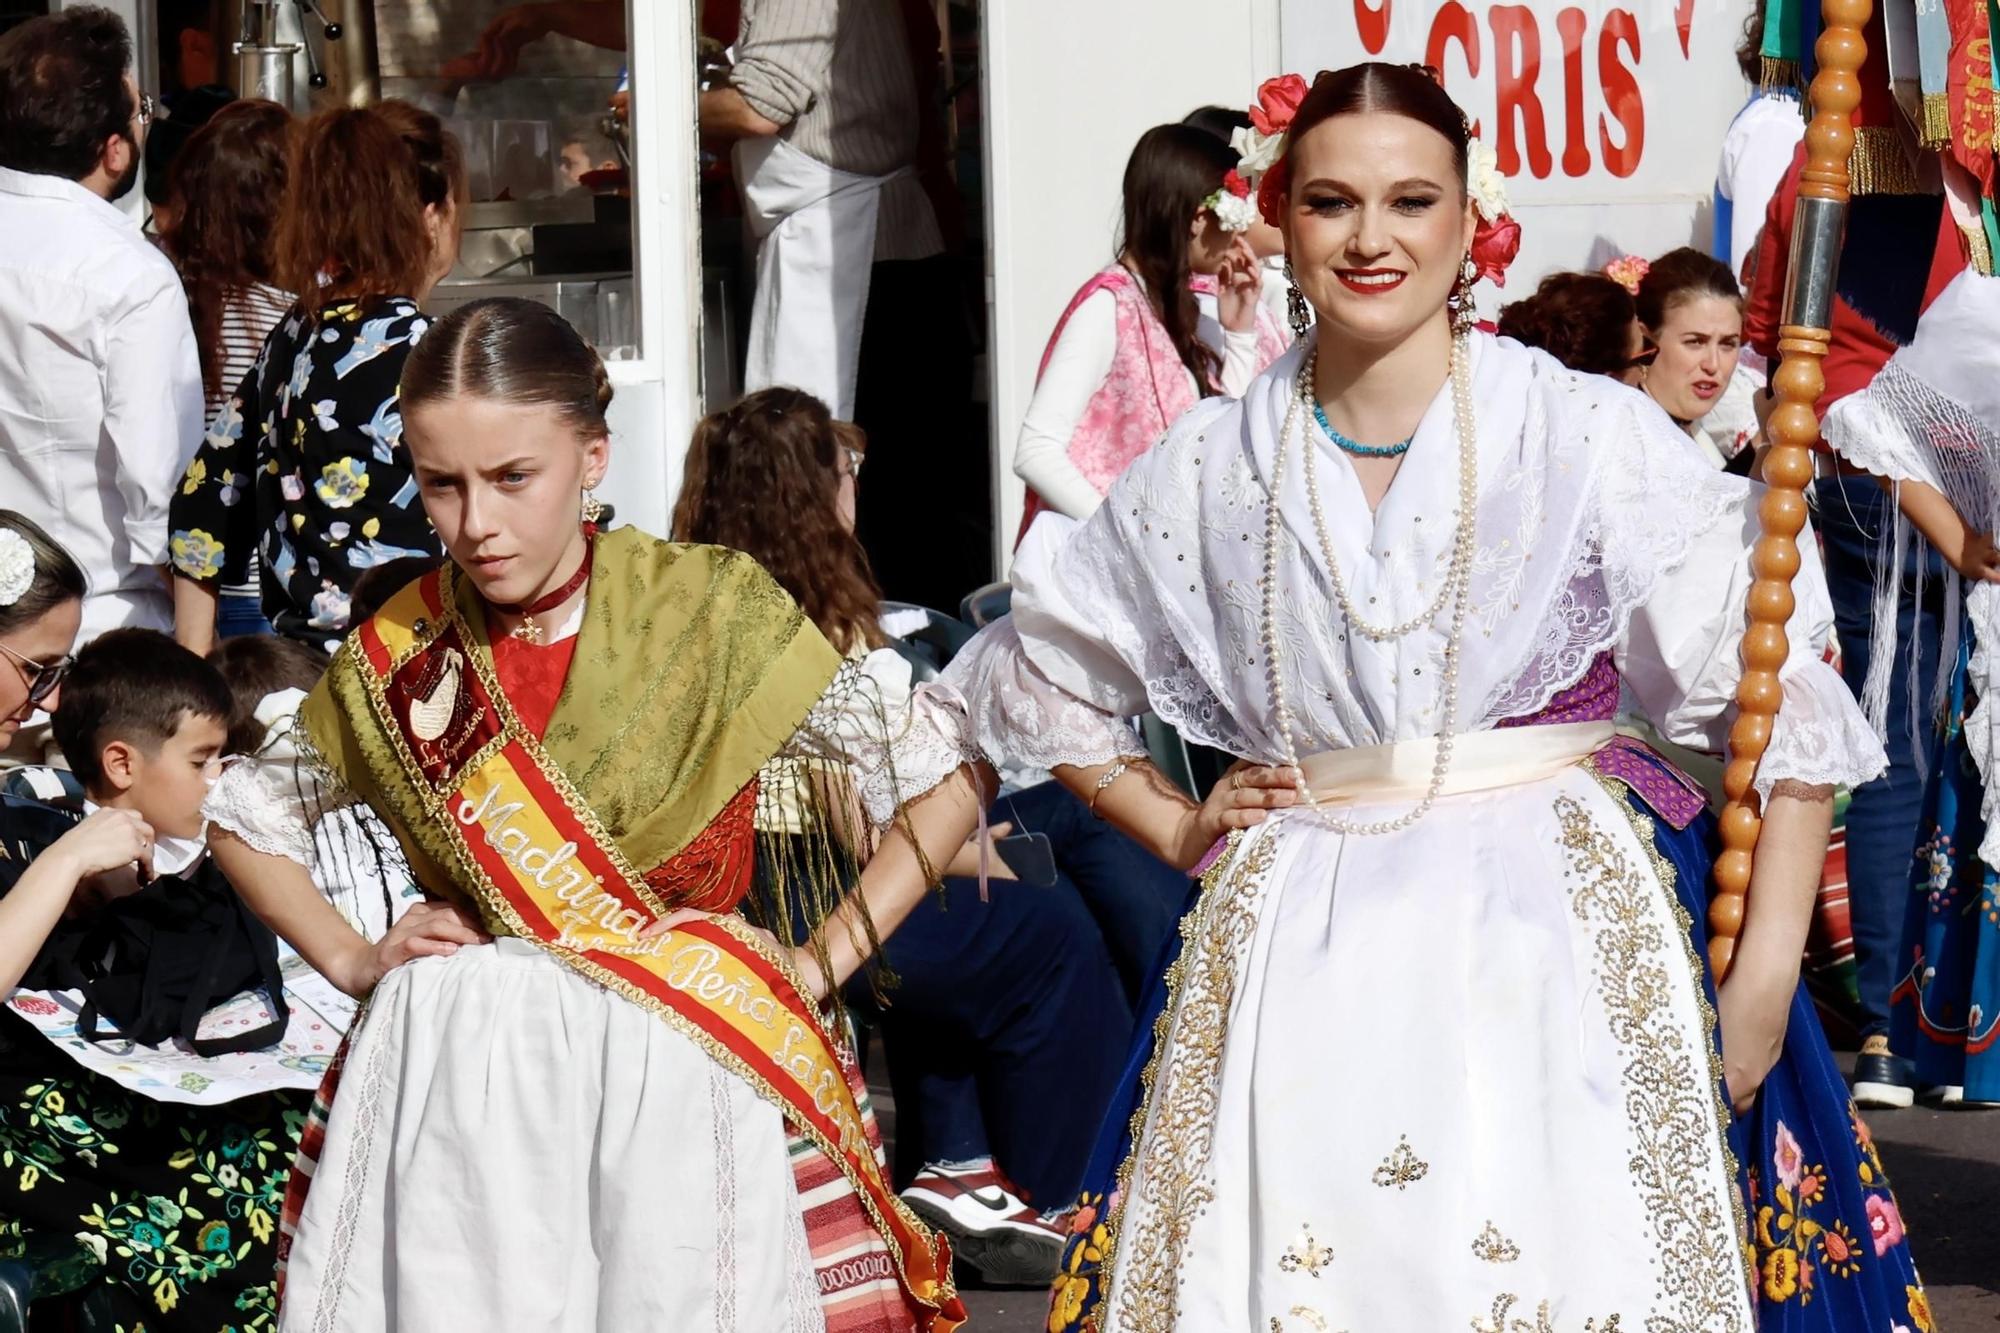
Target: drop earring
1297	313
1464	313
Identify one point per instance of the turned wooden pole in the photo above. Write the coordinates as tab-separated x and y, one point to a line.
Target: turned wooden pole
1817	227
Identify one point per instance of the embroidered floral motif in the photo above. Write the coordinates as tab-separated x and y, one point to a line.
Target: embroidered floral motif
1799	1239
1920	1309
1493	1248
1671	1100
1168	1170
1305	1312
1306	1255
1502	1319
1401	1168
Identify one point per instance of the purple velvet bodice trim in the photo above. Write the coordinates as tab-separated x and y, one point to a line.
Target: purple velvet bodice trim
1672	794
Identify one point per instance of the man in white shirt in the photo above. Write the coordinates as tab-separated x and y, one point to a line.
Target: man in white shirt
100	389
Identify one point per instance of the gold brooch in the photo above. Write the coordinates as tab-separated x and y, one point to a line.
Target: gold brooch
1401	1168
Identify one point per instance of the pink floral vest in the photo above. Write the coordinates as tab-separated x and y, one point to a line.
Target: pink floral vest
1147	387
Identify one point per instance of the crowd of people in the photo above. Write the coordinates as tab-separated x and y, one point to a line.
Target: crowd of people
460	875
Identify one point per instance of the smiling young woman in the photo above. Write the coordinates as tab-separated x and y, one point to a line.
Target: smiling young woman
1454	997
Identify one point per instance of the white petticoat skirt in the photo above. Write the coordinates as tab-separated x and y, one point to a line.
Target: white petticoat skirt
1455	1077
514	1148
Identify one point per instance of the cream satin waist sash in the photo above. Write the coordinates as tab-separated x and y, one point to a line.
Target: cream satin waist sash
1480	761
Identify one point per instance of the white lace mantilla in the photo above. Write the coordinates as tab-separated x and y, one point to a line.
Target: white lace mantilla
1600	528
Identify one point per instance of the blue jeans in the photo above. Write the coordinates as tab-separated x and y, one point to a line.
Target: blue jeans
1851	513
1010	1016
238	615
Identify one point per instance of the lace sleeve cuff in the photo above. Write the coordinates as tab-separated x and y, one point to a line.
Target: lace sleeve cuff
272	803
895	743
1820	737
1022	719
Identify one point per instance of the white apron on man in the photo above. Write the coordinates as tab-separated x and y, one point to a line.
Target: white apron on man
815	227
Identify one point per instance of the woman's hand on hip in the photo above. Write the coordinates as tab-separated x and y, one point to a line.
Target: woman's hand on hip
1243	798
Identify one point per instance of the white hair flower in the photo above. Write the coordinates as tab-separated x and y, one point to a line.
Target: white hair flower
1484	181
1256	153
1232	205
17	567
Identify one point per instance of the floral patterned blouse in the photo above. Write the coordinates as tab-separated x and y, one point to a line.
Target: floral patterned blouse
305	466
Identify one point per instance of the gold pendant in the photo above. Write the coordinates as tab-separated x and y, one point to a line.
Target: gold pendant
529	631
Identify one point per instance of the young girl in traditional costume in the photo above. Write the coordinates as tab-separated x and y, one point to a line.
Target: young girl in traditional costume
1439	1049
1132	350
585	1094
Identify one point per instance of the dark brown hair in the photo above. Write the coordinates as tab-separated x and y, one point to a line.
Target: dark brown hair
1173	168
1412	91
256	665
760	477
1750	50
58	578
360	179
1583	320
1686	274
510	350
62	92
135	686
228	183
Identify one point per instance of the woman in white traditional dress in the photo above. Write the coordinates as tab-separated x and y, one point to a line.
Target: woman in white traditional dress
1439	1048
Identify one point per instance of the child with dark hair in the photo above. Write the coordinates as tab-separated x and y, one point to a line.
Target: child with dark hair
1132	351
179	1203
142	723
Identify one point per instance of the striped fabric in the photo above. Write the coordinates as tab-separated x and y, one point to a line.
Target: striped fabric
248	316
837	75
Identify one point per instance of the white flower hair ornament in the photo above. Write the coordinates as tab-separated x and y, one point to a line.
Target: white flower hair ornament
1232	205
17	567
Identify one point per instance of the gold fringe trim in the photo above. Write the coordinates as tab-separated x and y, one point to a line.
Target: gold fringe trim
1979	253
1779	75
1879	165
1936	132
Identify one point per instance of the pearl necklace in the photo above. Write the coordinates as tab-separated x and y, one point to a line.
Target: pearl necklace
1457	585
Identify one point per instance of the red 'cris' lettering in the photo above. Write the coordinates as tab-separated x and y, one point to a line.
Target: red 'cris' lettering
1517	66
1621	94
1373	24
1572	24
1453	22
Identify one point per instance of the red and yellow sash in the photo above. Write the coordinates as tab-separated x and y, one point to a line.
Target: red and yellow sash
539	860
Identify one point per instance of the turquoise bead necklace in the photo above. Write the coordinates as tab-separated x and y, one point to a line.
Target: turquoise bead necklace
1355	447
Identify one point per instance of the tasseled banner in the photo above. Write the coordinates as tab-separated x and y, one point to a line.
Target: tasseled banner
1936	131
1880	164
1780	76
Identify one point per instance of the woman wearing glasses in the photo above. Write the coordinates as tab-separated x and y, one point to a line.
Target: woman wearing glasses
41	604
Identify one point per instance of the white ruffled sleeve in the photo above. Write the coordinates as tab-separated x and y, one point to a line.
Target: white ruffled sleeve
273	799
896	742
1020	719
1681	659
